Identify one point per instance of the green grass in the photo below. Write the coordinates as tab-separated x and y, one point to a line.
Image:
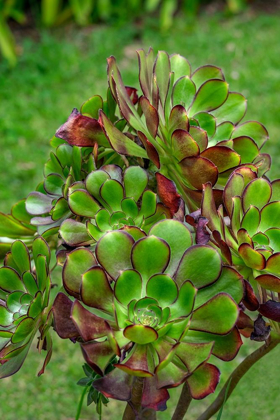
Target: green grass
58	73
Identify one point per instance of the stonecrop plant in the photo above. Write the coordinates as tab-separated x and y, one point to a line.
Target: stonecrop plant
157	205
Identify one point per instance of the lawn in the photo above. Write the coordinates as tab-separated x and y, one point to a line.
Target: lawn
57	74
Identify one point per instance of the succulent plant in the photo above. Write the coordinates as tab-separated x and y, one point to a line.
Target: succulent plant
248	235
188	122
111	199
159	304
24	304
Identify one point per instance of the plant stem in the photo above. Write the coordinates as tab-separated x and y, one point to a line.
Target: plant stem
133	408
79	409
235	377
183	403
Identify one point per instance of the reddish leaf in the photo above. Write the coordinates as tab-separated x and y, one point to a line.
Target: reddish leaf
198	171
82	131
225	250
151	115
271	310
63	324
250	300
178	119
150	149
132	93
89	325
223	157
153	397
202	235
183	145
167	193
97	355
117	385
203	381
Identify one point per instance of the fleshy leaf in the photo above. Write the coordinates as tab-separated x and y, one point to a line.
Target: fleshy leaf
178	237
63	323
89	325
193	263
119	142
203	381
113	252
95	289
150	256
209	96
140	334
210	316
77	263
252	129
128	286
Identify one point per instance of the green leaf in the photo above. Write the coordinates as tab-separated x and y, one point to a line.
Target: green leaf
82	204
112	192
180	66
119	142
92	106
253	129
257	193
140	334
211	318
251	220
270	216
41	247
251	257
162	70
94	182
274	238
210	96
233	109
21	256
183	92
229	281
6	317
74	233
24	329
129	207
178	237
204	73
150	256
207	122
77	263
246	148
185	302
38	203
162	288
95	289
128	286
10	280
53	184
200	264
135	182
113	252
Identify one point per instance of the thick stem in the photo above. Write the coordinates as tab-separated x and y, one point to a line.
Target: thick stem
235	377
133	410
183	403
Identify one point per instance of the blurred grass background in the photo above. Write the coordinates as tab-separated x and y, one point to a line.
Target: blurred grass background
57	71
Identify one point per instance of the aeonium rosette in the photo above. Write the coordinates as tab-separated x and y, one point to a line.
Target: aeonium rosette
248	235
159	304
110	199
24	305
188	122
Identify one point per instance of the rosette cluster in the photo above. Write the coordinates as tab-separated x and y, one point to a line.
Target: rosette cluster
248	235
158	303
24	290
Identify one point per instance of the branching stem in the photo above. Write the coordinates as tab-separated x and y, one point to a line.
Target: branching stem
183	403
236	375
